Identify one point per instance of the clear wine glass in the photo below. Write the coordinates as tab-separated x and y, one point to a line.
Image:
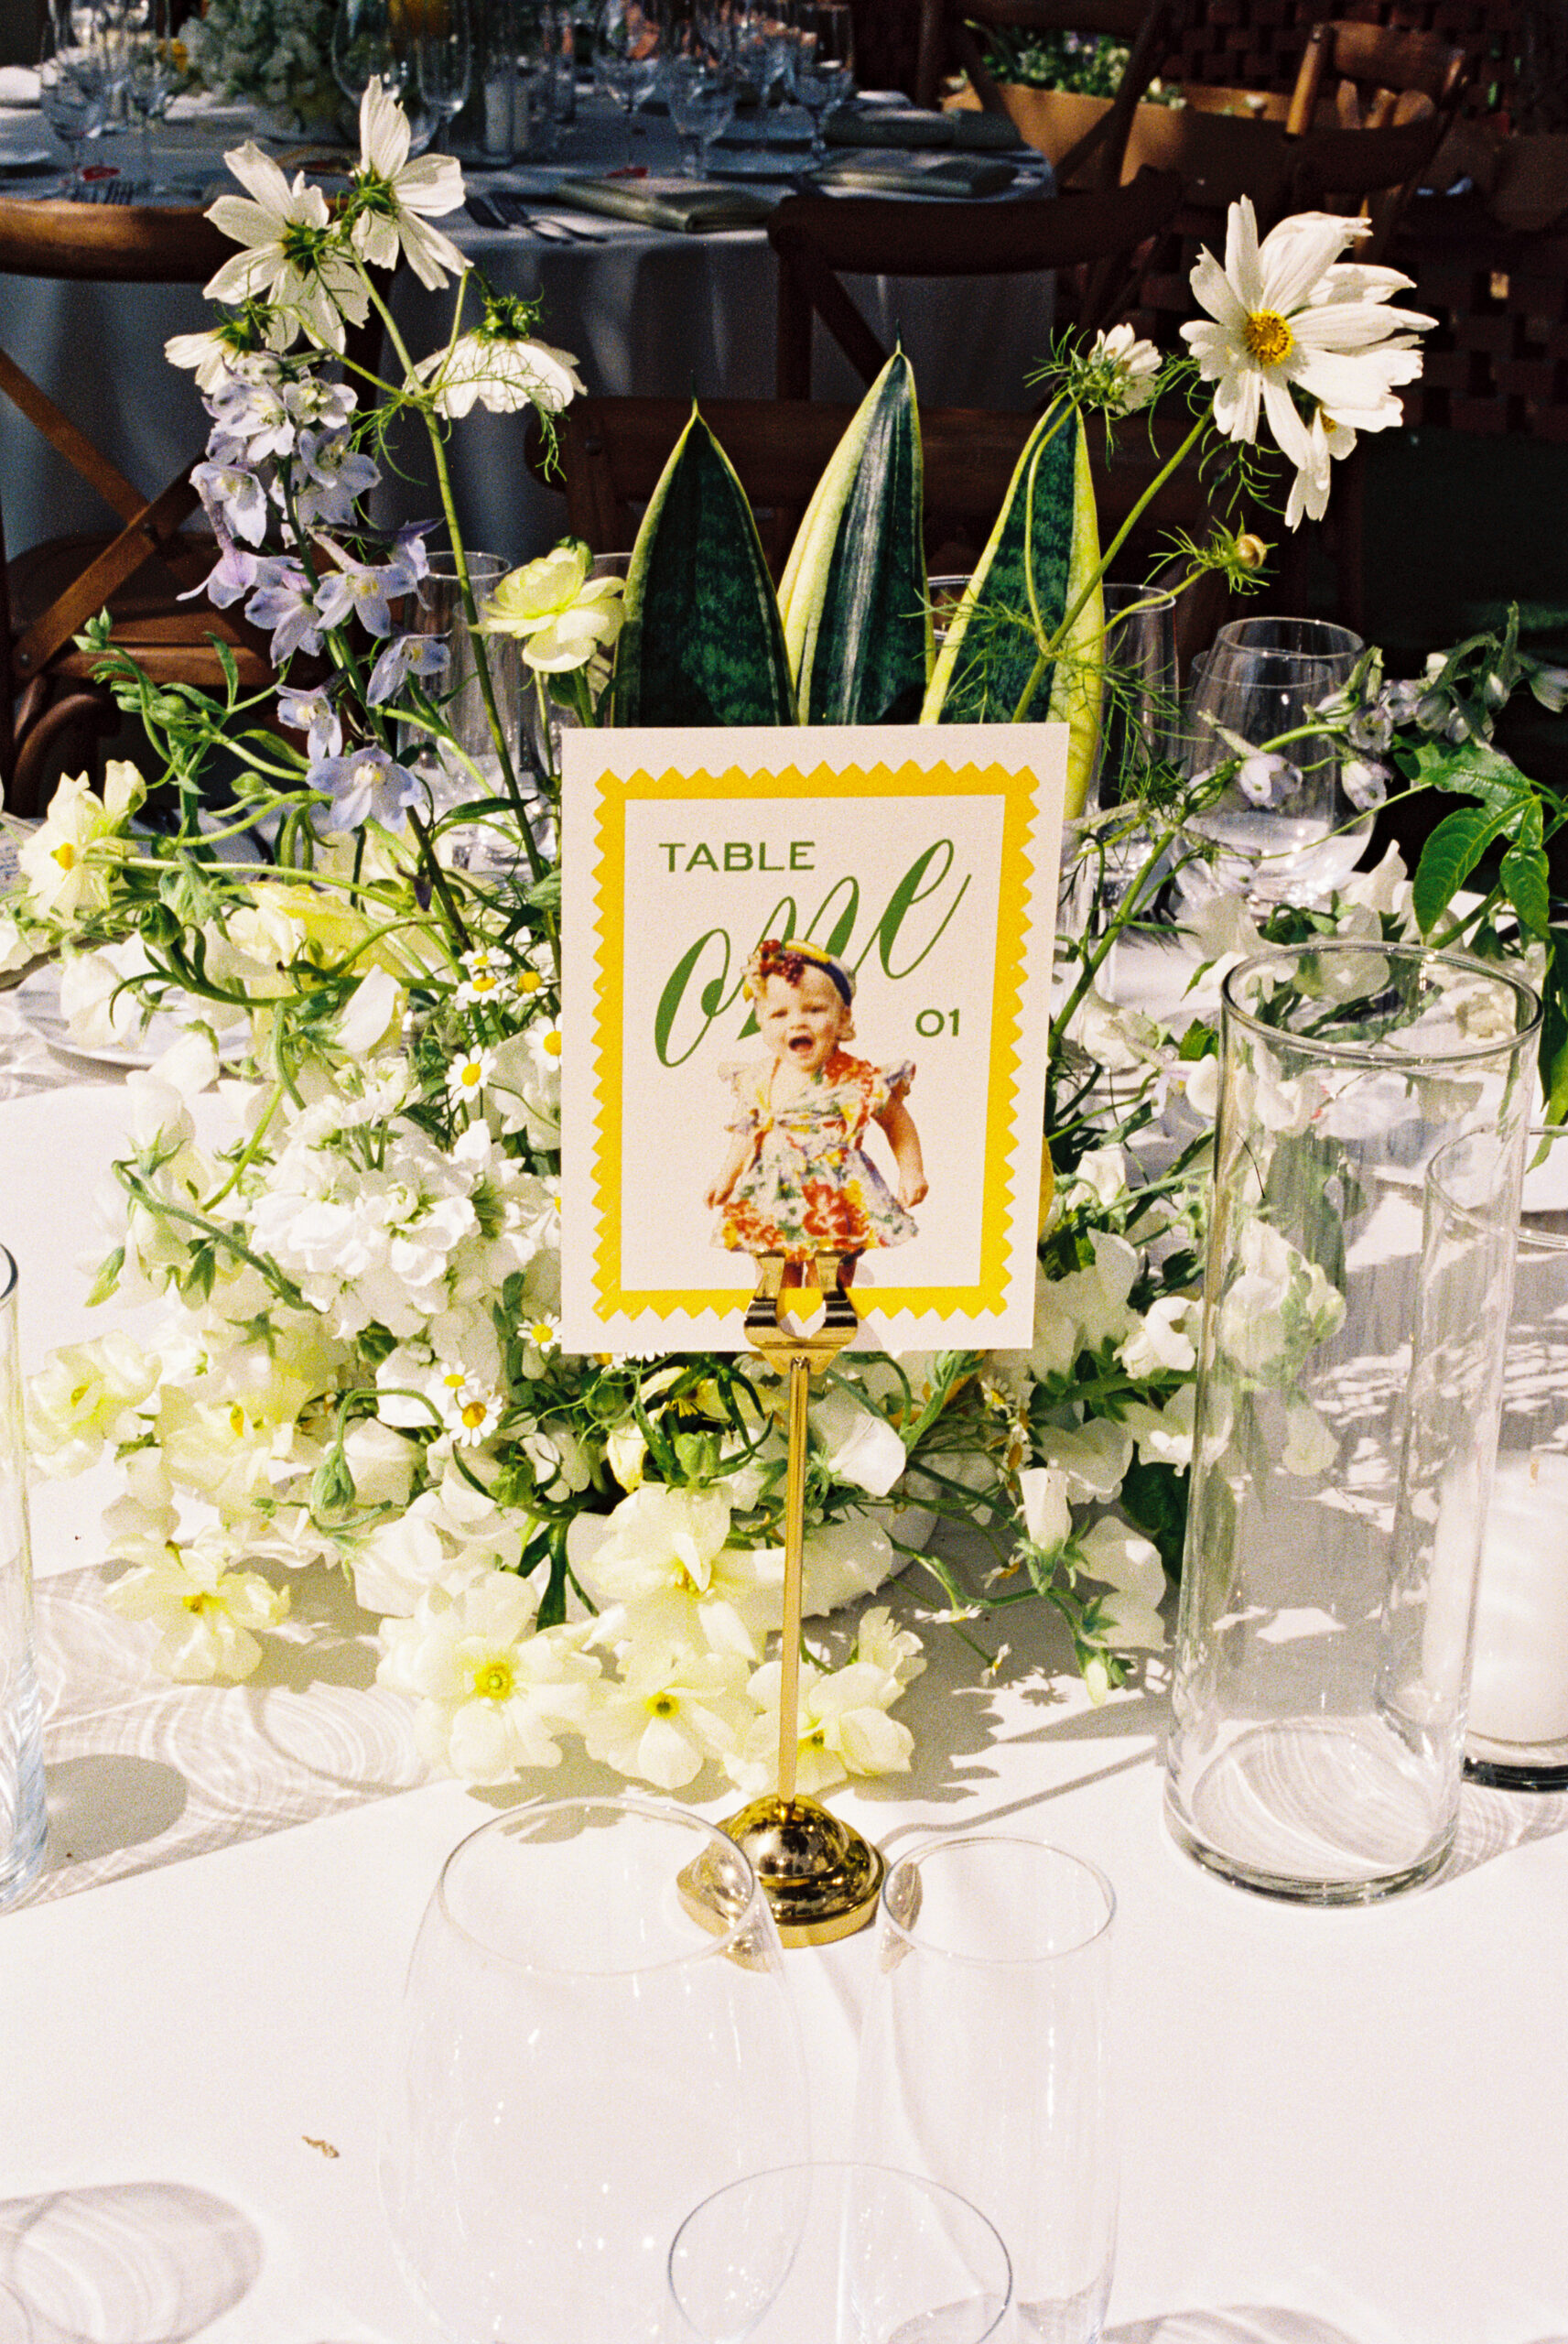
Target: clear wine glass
149	83
596	2034
443	54
1285	831
700	93
368	44
824	64
626	57
73	92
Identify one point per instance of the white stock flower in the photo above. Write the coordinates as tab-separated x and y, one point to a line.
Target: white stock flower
1286	316
400	198
208	1615
293	260
674	1710
493	1693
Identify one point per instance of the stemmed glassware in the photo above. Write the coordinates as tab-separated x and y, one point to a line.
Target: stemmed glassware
626	57
764	41
443	53
148	81
368	44
596	2034
1286	828
699	90
73	85
824	63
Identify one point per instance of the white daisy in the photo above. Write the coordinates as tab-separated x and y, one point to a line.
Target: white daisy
1288	318
467	1076
395	200
294	257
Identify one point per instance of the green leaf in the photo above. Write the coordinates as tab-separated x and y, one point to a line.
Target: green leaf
1470	768
1527	884
1448	859
1155	1500
1042	555
853	597
1553	1045
702	643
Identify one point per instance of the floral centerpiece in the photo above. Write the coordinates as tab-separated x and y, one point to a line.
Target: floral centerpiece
356	1249
275	53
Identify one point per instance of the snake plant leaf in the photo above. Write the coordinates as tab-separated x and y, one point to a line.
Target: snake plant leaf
701	642
1039	566
853	596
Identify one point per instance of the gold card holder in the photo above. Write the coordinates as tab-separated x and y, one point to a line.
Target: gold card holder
821	1878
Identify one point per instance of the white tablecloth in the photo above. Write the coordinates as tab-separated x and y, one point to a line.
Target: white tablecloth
657	314
1338	2127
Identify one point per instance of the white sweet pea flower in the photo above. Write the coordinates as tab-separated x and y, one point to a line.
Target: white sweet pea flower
1164	1342
858	1447
1286	317
1310	1447
209	1615
493	1694
86	1394
1383	889
1277	1308
672	1710
660	1539
895	1651
395	200
1102	1171
1047	1516
1164	1435
844	1727
1125	1560
1094	1457
294	260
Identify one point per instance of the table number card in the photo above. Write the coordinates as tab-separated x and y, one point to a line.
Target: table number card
917	867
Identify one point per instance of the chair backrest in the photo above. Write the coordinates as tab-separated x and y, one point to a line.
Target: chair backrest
1377	170
1148	28
1378	70
816	237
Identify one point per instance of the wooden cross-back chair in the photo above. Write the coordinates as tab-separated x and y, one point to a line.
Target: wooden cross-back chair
139	571
817	238
612	451
1396	95
1148	28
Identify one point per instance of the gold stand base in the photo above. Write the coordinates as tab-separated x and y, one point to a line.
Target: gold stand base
820	1878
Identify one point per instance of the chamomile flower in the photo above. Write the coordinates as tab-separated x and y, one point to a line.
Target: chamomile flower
467	1074
471	1410
487	978
542	1339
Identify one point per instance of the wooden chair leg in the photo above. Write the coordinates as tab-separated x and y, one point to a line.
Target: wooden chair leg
24	792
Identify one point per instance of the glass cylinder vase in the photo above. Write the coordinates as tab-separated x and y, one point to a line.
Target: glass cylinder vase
1348	1387
22	1812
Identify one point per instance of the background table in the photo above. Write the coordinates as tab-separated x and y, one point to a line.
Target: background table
1338	2127
644	311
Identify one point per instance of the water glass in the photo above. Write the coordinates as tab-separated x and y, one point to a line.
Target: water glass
368	44
1285	830
626	57
443	60
22	1818
1348	1383
700	94
149	81
440	611
1517	1735
984	2058
74	89
596	2034
1139	717
823	61
838	2254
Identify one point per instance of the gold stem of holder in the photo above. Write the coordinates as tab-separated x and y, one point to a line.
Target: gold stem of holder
820	1878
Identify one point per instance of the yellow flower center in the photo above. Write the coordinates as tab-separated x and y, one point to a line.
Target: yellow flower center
202	1602
470	1076
663	1705
237	1421
553	1046
529	981
473	1413
454	1380
1269	338
494	1681
65	855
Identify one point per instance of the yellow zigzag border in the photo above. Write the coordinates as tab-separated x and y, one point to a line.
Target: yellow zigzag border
611	1299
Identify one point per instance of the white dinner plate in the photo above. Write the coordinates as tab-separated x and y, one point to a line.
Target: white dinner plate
36	998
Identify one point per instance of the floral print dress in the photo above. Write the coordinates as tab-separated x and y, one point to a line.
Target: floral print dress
807	1186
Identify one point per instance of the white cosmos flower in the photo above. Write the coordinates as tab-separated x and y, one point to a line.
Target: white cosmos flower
401	198
293	258
501	372
1130	366
1329	443
1286	316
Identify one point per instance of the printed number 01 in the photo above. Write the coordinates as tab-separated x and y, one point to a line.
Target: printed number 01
932	1021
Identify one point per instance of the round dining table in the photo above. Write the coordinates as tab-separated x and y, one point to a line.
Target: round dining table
1336	2126
643	310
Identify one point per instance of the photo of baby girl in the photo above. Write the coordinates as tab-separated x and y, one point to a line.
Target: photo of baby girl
797	1179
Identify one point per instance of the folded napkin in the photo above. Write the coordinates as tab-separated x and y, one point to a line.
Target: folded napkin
687	206
25	139
19	85
915	127
951	175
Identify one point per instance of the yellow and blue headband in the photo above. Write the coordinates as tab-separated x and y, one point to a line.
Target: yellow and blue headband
788	959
